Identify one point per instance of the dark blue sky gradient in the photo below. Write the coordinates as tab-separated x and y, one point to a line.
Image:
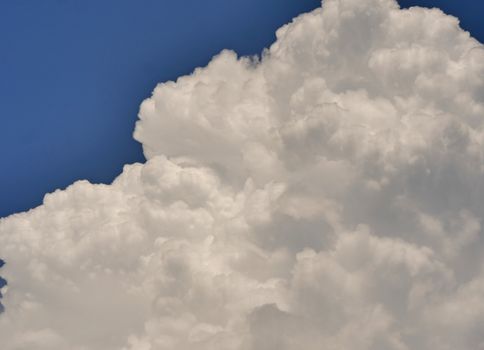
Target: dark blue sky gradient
73	73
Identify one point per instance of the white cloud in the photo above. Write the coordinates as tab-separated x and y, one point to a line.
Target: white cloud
329	195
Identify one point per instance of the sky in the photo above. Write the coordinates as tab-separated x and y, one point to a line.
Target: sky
328	193
74	73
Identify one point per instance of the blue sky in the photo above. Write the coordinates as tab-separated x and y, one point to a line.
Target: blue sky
74	73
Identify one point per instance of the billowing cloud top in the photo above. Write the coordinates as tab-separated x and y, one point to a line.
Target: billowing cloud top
327	196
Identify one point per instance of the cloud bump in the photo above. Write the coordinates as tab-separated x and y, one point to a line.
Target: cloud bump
329	195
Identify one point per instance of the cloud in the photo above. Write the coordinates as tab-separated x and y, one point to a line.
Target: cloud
327	195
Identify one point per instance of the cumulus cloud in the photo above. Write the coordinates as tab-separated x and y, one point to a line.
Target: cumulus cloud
329	195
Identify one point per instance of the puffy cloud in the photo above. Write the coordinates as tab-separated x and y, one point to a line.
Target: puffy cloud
327	195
